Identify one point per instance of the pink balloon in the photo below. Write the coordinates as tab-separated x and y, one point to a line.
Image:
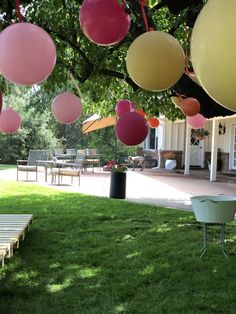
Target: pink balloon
104	22
27	54
66	108
124	106
9	121
196	122
131	129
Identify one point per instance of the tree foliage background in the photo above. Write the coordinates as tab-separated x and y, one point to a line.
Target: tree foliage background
99	71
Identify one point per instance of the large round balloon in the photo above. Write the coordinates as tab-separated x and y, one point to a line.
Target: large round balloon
131	129
66	108
153	123
155	61
196	122
213	50
124	106
190	106
27	54
104	22
9	121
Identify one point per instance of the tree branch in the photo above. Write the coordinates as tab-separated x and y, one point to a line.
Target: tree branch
120	76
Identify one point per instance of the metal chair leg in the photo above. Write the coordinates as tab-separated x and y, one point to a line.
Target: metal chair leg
203	249
222	239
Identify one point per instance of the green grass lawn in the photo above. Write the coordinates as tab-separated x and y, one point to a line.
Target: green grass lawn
92	255
5	166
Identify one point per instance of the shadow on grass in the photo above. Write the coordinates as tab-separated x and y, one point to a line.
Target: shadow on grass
86	254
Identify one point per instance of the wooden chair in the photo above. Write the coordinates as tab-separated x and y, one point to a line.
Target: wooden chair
92	158
31	164
67	169
70	169
71	151
58	151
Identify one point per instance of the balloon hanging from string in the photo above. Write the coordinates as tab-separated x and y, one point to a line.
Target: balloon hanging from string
27	54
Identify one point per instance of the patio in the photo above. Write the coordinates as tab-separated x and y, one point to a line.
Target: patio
157	187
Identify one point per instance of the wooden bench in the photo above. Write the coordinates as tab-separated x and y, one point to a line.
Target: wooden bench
12	230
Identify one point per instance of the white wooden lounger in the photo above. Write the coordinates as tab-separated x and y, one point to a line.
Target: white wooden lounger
12	230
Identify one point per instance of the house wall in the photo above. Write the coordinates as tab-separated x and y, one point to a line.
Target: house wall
174	135
171	138
225	142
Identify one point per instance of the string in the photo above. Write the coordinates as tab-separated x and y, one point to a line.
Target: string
18	10
0	102
143	3
186	50
76	84
7	91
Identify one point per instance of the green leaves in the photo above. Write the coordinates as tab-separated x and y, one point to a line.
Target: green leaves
100	71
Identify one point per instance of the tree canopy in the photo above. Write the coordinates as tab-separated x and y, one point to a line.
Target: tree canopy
101	71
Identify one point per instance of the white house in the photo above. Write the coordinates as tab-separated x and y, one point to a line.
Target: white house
217	149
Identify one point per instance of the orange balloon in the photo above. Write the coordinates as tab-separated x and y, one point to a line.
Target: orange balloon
141	112
190	106
153	123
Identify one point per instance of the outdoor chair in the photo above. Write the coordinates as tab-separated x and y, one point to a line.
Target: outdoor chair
58	151
92	158
71	151
68	170
31	164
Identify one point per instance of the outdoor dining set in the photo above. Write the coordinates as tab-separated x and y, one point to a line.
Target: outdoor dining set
59	163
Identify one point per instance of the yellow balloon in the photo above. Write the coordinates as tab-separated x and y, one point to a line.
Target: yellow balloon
155	61
194	78
213	51
176	100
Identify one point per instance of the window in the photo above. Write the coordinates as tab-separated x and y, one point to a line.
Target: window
152	139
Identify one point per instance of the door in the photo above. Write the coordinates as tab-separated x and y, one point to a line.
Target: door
233	153
196	151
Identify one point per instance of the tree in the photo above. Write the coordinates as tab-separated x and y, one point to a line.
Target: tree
36	131
101	71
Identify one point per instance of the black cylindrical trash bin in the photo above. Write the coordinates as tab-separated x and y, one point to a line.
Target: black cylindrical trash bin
118	185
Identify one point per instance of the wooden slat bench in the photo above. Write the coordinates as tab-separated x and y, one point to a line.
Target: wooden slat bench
12	230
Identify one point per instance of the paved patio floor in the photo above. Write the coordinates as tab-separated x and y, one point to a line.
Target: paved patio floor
157	187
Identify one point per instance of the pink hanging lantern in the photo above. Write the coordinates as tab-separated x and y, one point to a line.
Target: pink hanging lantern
131	129
27	54
196	122
190	106
9	121
66	108
104	22
124	106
